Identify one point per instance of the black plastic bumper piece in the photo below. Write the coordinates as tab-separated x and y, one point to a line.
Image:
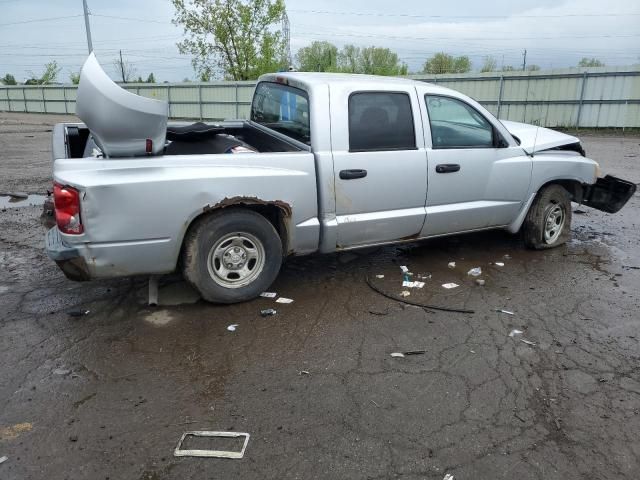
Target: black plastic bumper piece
609	194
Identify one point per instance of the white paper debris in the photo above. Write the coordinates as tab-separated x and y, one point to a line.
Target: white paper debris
452	265
284	300
413	284
528	342
379	276
232	328
480	282
424	277
268	294
397	355
404	293
475	272
450	285
499	264
418	284
407	284
404	269
515	332
499	310
448	476
3	459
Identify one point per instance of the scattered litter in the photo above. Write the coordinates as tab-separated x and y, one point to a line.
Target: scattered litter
499	264
480	282
78	313
528	342
404	269
448	476
413	284
472	351
475	272
178	452
232	328
4	459
449	286
504	311
405	293
61	371
379	276
397	355
418	284
304	372
284	300
507	256
452	265
268	295
416	352
268	312
425	277
405	283
515	332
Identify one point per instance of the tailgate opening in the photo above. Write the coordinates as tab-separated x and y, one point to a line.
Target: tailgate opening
609	194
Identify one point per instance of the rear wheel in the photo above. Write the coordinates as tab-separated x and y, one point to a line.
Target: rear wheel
548	222
232	256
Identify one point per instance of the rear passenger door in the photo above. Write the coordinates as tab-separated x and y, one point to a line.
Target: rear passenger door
380	164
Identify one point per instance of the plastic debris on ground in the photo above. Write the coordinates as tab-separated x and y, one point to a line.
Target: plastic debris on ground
413	284
304	372
475	272
232	328
448	476
407	354
268	295
179	452
284	300
499	264
480	282
405	293
404	269
4	459
424	277
528	342
268	312
452	265
379	276
397	355
515	332
499	310
449	286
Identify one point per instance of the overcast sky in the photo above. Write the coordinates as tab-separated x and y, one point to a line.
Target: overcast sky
555	33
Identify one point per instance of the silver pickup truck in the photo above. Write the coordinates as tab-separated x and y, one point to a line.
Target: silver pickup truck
326	162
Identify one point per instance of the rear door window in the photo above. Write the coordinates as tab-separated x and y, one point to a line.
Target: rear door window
455	124
380	121
282	108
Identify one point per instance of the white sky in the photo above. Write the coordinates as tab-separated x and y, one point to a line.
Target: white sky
555	33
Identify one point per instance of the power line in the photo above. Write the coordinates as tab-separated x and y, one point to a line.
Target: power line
143	20
50	19
407	15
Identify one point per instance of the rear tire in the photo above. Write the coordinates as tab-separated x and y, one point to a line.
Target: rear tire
548	221
231	256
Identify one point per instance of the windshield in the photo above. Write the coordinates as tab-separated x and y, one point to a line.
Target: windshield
282	108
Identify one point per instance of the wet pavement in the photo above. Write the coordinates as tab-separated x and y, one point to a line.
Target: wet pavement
107	395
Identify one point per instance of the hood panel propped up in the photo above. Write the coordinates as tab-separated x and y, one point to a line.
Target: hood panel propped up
121	122
537	139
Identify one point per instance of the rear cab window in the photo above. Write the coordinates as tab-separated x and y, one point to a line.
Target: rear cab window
282	108
380	121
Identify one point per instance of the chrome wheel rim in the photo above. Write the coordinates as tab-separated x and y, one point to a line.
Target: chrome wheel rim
554	223
236	260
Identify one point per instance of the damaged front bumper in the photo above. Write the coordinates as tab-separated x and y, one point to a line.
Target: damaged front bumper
67	258
609	194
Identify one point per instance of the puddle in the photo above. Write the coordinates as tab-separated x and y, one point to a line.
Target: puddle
14	202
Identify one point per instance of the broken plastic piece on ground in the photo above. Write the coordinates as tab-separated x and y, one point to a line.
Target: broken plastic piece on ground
232	328
424	277
284	300
404	269
268	295
448	476
475	272
528	342
449	286
480	282
78	313
515	332
499	264
499	310
379	276
397	355
452	265
304	372
268	312
405	293
4	459
178	452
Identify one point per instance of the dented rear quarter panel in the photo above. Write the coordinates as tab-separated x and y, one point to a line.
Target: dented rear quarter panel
136	211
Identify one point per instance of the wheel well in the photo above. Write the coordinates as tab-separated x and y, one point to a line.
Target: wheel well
574	187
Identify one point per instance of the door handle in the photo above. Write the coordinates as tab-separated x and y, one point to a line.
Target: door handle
352	174
447	168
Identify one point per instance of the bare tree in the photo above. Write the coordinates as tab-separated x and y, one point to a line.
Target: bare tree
125	69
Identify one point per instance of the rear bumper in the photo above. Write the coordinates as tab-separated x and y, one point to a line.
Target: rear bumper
609	194
67	258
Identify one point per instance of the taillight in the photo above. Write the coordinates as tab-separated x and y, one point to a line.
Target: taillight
66	201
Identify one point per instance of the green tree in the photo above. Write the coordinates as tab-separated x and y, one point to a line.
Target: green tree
590	62
318	57
489	65
151	78
8	79
445	63
381	61
74	77
241	39
508	68
50	75
349	60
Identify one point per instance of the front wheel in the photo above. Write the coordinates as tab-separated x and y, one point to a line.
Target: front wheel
232	256
548	222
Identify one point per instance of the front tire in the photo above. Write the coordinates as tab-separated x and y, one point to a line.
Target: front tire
548	222
231	256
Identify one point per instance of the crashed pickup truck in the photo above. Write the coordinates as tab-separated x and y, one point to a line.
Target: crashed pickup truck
325	163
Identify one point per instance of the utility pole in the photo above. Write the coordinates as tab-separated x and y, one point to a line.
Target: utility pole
87	26
524	60
122	68
286	33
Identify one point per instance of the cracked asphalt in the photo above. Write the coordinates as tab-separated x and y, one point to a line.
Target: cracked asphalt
108	395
